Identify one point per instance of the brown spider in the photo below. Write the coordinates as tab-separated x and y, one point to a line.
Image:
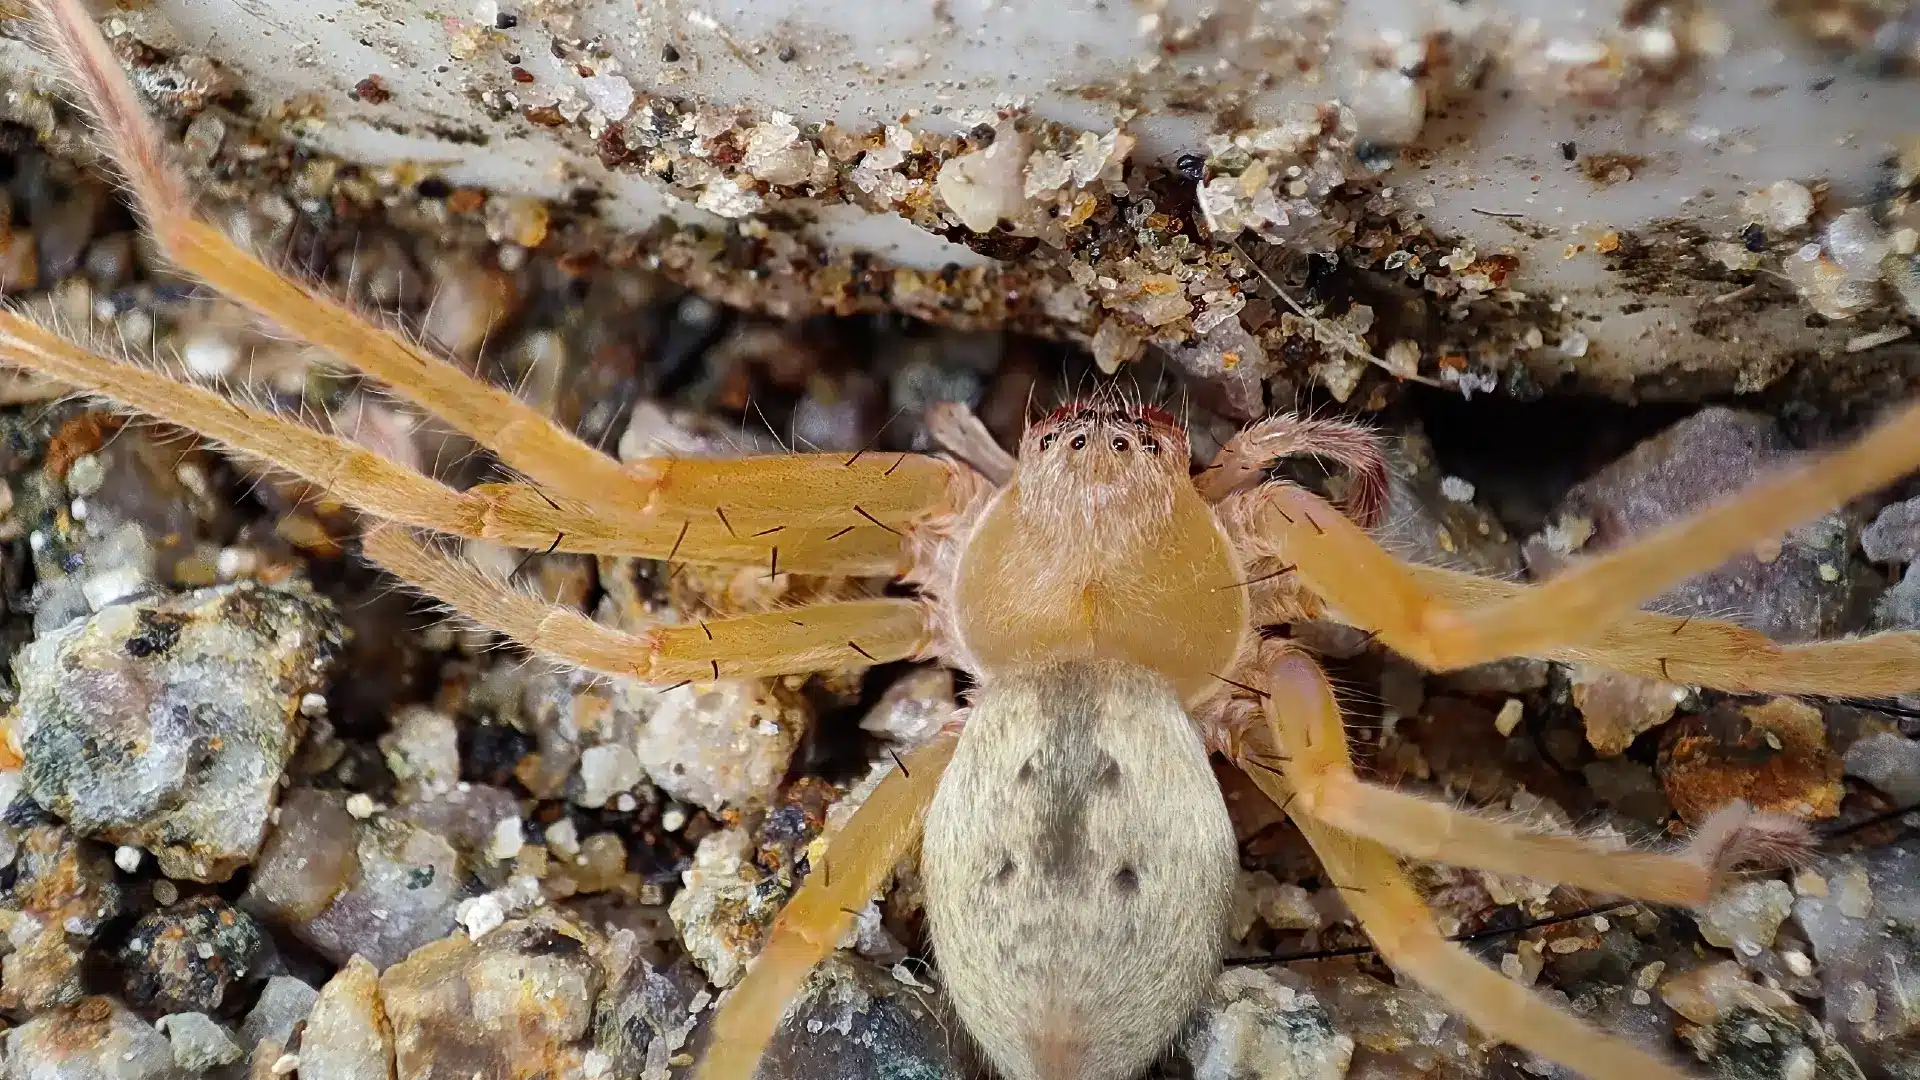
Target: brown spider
1077	852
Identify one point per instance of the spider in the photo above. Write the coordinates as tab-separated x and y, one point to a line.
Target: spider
1077	853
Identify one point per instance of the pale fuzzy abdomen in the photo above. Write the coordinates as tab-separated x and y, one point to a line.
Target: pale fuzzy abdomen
1079	865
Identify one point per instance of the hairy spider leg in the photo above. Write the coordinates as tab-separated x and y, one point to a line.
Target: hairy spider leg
1319	770
815	637
1304	732
1372	590
827	491
858	861
1570	608
514	514
1247	456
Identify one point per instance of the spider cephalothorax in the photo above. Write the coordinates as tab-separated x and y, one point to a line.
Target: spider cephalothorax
1103	598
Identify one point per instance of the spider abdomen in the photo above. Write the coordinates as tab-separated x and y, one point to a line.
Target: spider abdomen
1079	866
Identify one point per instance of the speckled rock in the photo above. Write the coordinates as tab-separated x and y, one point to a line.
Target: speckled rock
1861	914
651	1013
853	1019
1616	708
1899	607
914	707
1894	536
722	744
380	888
1422	524
1746	1031
347	1035
1798	594
284	1002
191	957
1229	368
1746	915
64	891
517	1003
1890	762
95	1039
199	1044
1253	1025
725	906
423	752
1774	755
1398	1031
165	725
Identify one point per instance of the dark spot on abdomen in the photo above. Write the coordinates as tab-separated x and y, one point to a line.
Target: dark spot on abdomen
1126	880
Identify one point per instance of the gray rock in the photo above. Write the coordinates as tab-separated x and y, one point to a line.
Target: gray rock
1253	1025
1865	934
1899	607
404	895
199	1044
166	724
347	1036
1800	594
191	957
1890	762
1894	536
95	1039
1229	369
852	1020
649	1015
284	1002
1423	525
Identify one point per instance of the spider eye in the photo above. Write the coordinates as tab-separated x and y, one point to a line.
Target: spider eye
1151	446
1079	442
1119	445
1047	440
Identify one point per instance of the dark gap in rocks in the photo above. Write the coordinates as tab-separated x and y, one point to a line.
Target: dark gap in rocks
1523	457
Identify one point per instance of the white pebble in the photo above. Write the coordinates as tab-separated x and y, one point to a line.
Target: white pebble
285	1064
1456	489
481	916
507	840
672	818
360	805
312	706
605	771
127	858
563	838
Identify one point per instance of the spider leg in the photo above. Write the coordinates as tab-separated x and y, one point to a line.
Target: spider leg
960	432
817	637
1710	652
858	860
518	433
890	491
1246	457
1401	926
1429	615
515	514
1305	719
